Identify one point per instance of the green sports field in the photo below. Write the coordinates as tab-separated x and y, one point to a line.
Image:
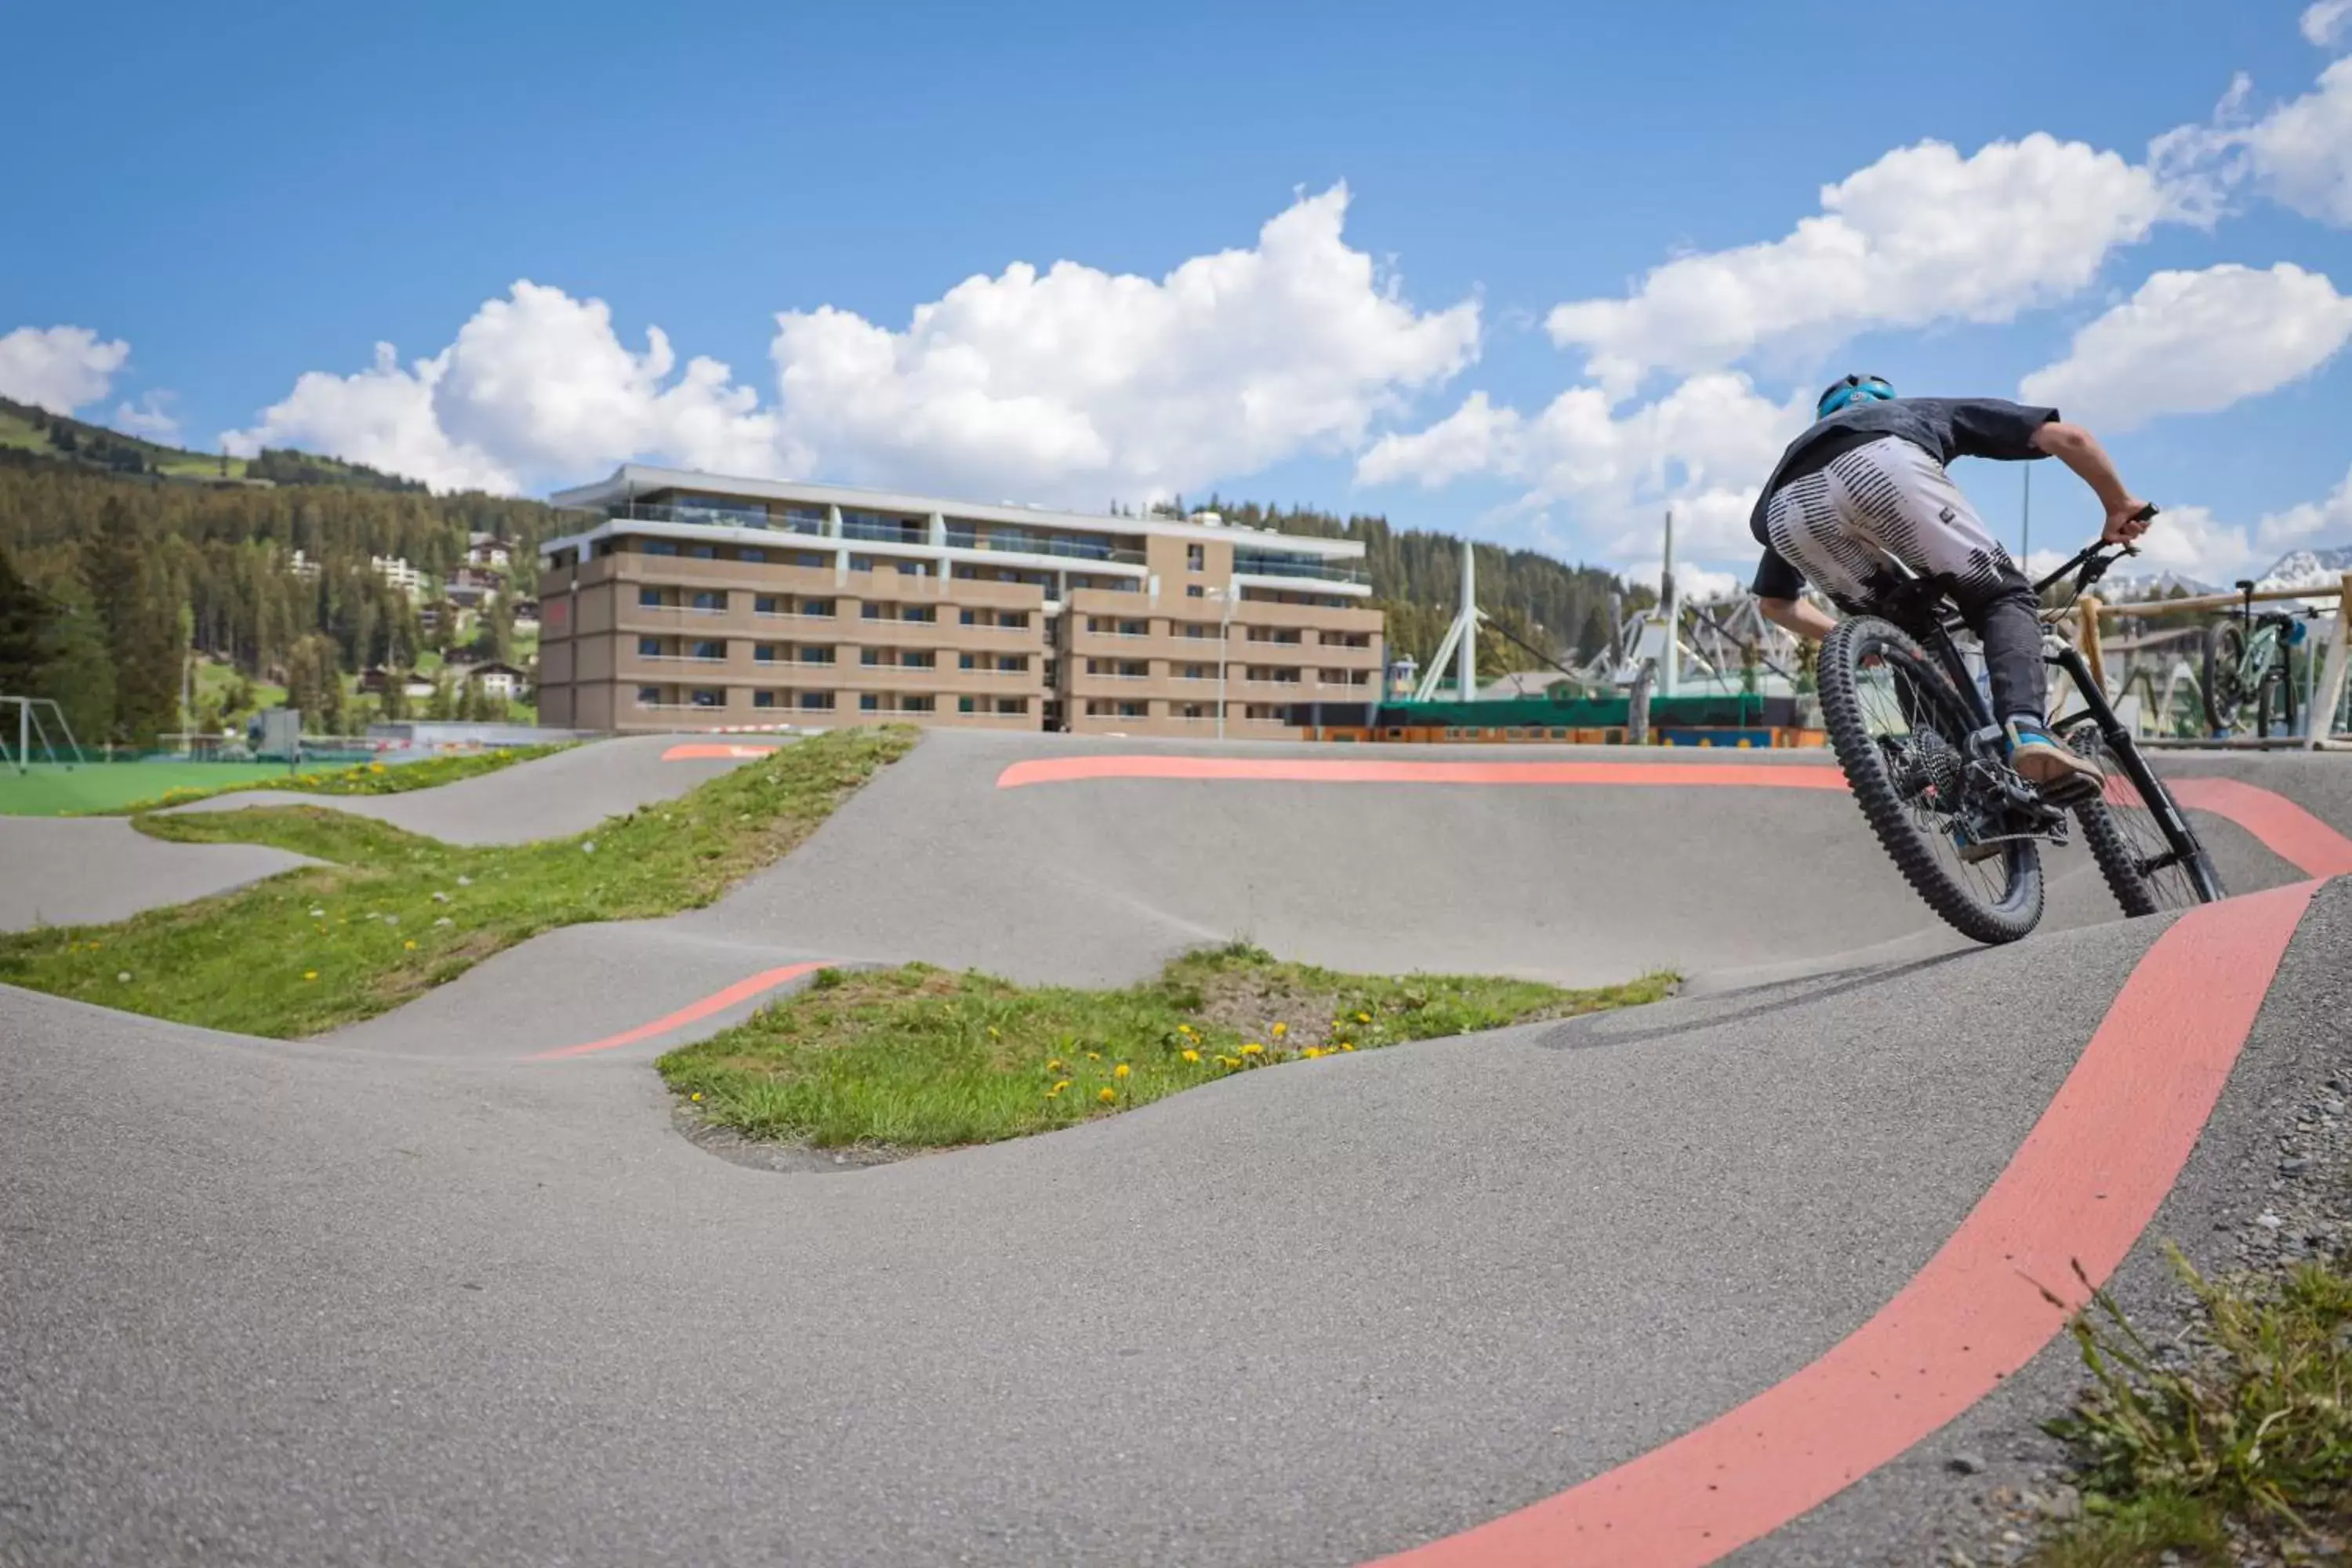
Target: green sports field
51	791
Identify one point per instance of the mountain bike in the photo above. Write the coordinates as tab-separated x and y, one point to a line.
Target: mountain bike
2246	665
1928	763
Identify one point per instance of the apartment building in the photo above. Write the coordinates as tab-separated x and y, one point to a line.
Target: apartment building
689	601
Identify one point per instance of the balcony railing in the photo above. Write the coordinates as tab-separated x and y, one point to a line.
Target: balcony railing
1043	544
717	516
1247	565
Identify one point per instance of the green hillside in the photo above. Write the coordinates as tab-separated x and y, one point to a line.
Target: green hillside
30	432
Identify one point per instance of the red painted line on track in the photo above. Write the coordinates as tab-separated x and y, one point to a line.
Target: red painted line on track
717	1001
710	751
2081	1188
1318	770
2288	831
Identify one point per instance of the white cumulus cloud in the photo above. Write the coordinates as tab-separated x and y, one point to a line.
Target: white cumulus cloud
1068	384
2188	342
1703	448
149	417
1079	383
2327	21
1921	236
2298	154
58	368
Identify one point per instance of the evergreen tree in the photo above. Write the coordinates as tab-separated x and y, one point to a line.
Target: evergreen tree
24	616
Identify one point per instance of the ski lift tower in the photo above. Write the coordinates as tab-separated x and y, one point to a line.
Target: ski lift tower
1460	639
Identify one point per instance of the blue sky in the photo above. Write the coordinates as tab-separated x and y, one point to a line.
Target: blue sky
244	196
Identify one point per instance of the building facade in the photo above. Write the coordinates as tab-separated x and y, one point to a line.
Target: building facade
689	601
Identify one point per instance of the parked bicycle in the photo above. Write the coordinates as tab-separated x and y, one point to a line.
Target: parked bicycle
1924	758
2246	665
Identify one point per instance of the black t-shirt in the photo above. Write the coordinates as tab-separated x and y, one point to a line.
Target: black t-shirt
1945	427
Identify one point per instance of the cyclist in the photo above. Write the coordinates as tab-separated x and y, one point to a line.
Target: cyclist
1867	481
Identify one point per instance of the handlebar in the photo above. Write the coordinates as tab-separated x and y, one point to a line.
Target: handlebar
2094	560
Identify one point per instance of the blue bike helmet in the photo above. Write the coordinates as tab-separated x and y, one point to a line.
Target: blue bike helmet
1852	389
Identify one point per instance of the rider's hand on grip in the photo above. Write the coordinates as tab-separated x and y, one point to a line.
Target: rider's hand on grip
2127	520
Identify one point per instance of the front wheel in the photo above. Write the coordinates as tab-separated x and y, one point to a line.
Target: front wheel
2147	867
1900	730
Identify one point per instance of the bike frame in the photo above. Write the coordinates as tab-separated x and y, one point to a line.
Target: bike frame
1984	740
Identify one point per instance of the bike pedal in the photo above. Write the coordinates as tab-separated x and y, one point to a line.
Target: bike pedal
2069	792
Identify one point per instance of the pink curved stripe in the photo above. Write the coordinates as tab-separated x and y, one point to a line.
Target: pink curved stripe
693	1011
2286	829
2080	1189
1318	770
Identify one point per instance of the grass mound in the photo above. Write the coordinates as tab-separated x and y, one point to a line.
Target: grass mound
924	1058
393	914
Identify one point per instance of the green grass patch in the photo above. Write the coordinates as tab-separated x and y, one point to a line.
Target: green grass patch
359	778
924	1058
47	789
2250	1437
392	914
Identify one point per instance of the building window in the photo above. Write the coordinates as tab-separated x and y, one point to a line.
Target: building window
818	701
764	653
967	661
1196	557
1016	619
970	617
868	702
763	700
923	613
870	611
709	697
914	704
1011	704
966	704
658	547
820	609
649	598
649	647
1194	591
809	653
710	600
648	695
703	552
756	557
1133	710
911	659
709	650
767	604
869	656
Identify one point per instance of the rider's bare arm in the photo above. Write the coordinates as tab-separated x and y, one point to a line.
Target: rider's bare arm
2080	450
1797	616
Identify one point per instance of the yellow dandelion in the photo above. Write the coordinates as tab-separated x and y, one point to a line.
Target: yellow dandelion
1252	1049
1311	1052
1347	1046
1280	1030
1055	1064
1107	1096
696	1097
1094	1056
310	974
375	767
1119	1071
1363	1018
408	946
1183	1028
1061	1086
1191	1056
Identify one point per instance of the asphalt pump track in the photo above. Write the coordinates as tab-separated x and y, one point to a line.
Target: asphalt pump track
1731	1273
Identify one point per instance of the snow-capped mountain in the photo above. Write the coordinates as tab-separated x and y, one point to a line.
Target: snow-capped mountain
2296	569
2309	568
2162	584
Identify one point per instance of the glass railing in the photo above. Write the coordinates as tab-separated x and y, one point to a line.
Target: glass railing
883	532
1252	565
1042	544
716	517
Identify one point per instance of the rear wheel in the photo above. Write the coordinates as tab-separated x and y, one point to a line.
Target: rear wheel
2222	681
2277	707
1900	728
2147	873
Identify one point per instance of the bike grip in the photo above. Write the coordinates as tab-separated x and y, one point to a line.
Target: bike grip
2145	514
